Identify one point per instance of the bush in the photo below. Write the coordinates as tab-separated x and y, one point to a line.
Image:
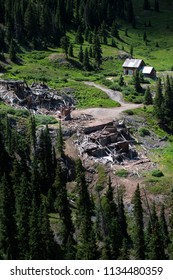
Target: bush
106	82
129	112
122	173
144	132
115	86
157	173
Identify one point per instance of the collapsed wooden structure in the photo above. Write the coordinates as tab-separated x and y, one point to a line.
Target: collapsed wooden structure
112	143
38	97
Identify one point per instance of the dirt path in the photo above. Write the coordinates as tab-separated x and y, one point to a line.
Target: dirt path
107	113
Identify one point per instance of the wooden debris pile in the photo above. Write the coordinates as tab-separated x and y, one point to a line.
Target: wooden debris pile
112	143
38	97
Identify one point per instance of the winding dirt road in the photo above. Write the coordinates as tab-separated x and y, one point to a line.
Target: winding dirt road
107	114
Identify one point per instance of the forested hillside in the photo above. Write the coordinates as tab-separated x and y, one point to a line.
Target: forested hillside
34	173
45	21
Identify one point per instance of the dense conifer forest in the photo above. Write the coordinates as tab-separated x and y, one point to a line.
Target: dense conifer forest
34	174
44	22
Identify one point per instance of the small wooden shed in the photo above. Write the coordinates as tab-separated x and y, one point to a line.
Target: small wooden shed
149	72
131	65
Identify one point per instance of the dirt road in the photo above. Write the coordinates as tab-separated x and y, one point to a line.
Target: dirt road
106	113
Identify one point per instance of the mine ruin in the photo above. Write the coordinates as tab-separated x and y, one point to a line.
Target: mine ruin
38	98
112	143
106	142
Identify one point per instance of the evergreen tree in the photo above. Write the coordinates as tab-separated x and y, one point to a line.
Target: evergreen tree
164	227
137	84
23	203
35	250
90	52
97	52
86	62
49	247
113	44
124	236
65	45
12	52
159	101
155	250
79	37
114	30
62	206
121	81
168	103
113	235
131	51
139	243
30	25
86	247
70	50
81	55
148	97
8	241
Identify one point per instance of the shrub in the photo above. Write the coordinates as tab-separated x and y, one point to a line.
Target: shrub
122	173
129	112
144	132
157	173
115	86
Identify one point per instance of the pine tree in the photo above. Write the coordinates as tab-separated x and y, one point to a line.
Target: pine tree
139	243
159	101
148	100
70	50
121	81
164	227
12	52
8	241
81	55
65	45
90	52
114	30
131	51
29	21
49	247
62	206
113	236
86	62
35	250
124	236
23	203
155	250
168	103
137	82
86	242
79	37
97	52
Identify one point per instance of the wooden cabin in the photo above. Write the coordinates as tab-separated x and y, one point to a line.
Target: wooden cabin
149	72
131	65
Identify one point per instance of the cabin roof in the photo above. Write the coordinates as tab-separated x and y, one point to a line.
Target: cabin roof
132	63
147	70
